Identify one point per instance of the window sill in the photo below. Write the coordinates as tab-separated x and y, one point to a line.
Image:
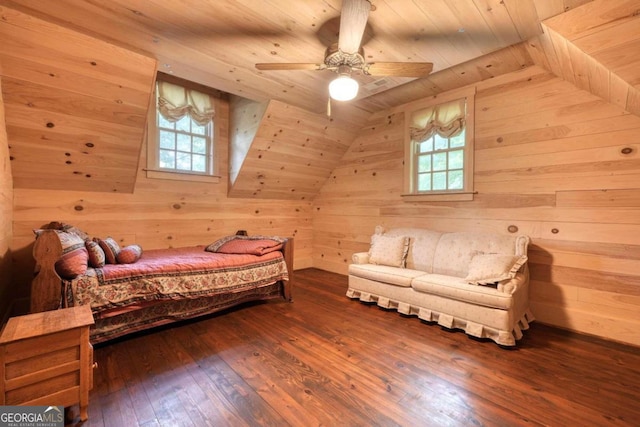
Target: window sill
177	176
438	197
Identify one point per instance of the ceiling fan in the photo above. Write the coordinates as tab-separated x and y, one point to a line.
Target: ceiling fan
347	56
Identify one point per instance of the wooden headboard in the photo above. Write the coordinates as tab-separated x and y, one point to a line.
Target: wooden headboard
46	286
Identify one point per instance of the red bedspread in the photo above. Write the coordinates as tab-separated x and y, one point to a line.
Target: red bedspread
172	274
163	262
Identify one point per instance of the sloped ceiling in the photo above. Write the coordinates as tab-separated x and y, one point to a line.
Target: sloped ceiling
292	153
77	74
75	107
597	48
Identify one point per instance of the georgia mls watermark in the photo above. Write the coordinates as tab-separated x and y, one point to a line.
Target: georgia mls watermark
31	416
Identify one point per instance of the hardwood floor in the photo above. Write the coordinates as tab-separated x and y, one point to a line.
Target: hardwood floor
328	360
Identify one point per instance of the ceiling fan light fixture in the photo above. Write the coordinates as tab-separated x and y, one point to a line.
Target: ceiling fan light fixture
343	88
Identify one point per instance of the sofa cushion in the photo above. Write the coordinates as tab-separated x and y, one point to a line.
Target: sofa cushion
383	273
422	246
455	250
388	250
491	268
457	288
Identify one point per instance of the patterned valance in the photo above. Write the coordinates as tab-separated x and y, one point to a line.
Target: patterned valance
175	102
446	120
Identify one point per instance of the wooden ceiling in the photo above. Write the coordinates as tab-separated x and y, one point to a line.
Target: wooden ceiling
593	44
218	42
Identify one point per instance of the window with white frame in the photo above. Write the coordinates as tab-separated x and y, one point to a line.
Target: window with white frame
439	155
185	145
182	138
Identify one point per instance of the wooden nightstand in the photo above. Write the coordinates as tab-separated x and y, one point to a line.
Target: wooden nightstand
46	359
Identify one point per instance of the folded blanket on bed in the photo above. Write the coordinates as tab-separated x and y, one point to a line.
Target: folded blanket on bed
254	245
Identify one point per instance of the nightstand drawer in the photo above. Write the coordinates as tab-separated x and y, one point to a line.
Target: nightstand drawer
46	359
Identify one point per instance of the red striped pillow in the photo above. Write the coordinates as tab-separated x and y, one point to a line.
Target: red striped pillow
110	248
74	259
97	257
129	254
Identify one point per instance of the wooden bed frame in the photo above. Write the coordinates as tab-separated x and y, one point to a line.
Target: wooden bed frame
46	286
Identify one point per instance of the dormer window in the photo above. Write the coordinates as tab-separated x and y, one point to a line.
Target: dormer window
181	133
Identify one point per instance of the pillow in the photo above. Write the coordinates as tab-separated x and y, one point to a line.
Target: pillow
74	259
129	254
486	269
253	247
68	228
97	257
110	248
389	250
215	246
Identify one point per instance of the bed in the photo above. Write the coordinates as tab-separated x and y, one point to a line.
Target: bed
162	285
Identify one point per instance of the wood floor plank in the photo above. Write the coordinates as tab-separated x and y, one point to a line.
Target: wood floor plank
327	360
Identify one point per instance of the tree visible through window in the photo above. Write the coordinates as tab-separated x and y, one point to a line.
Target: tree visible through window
184	145
440	163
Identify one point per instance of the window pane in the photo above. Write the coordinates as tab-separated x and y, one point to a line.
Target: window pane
456	159
457	141
440	161
167	140
164	123
424	182
196	128
440	181
455	180
426	146
167	159
441	143
184	142
183	161
424	163
199	145
184	124
199	163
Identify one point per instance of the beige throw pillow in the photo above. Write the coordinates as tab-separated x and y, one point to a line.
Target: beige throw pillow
487	269
389	250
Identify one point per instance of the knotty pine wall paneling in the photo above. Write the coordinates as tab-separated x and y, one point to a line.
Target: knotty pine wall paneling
558	162
6	215
161	213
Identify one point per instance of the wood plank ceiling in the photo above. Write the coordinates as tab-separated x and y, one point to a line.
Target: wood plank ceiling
217	42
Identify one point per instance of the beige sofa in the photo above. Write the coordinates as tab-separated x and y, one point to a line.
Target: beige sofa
478	282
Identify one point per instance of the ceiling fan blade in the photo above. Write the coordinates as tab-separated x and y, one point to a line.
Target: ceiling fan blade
353	21
399	69
274	66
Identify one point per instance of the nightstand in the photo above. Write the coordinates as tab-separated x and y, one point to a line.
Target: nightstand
46	359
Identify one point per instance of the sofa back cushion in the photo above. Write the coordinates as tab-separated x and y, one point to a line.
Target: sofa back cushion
455	250
422	247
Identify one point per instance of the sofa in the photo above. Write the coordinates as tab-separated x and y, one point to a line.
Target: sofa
474	281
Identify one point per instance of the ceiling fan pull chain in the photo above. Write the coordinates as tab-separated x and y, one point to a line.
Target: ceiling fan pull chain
328	106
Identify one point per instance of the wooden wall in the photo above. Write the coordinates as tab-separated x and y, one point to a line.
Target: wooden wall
160	213
556	161
6	215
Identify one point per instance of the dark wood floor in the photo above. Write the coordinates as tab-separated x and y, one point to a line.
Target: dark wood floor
328	360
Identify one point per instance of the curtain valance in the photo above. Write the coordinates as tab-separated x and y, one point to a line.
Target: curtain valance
446	120
175	102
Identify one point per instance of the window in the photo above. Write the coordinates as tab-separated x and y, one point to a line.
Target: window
439	150
185	146
181	143
440	163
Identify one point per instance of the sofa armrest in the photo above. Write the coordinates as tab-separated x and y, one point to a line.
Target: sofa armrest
512	286
360	258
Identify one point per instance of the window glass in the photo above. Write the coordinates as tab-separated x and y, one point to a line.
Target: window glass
184	146
439	148
178	144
